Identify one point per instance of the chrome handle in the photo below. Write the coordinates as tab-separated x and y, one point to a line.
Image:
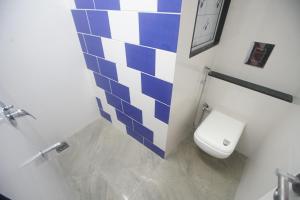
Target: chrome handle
18	113
59	147
7	107
11	114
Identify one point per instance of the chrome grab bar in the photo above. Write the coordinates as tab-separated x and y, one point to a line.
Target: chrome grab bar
284	179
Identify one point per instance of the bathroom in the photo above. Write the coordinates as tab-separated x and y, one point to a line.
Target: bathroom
124	100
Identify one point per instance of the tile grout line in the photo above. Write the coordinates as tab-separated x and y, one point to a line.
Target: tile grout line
98	66
88	21
133	126
133	120
128	88
128	67
137	11
94	4
149	47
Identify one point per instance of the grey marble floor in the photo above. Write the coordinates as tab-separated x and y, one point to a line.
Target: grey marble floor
104	164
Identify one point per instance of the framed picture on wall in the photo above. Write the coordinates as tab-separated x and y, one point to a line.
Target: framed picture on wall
209	22
259	54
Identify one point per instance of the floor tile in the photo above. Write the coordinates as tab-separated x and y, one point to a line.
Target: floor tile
104	163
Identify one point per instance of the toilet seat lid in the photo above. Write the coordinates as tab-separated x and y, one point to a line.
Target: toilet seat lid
220	132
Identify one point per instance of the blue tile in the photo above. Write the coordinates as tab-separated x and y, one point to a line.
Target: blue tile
80	20
162	112
113	101
108	69
102	82
159	30
120	91
133	112
168	6
105	115
99	103
91	62
157	89
142	130
136	136
140	58
99	23
124	119
154	148
94	45
82	42
84	4
107	4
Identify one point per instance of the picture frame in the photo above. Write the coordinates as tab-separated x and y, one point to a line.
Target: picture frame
208	25
259	54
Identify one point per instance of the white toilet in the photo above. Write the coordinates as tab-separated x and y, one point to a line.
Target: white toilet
219	134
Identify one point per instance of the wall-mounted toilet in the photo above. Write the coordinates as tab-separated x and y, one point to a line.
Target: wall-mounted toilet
219	134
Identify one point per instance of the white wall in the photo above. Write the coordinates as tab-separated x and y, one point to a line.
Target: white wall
259	111
36	181
188	72
279	149
272	134
267	21
42	68
271	21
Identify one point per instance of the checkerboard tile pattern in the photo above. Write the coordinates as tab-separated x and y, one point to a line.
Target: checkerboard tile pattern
130	48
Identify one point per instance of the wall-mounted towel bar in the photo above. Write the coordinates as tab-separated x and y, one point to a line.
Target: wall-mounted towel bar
252	86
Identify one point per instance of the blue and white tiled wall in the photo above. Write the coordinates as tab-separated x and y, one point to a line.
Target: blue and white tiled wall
130	47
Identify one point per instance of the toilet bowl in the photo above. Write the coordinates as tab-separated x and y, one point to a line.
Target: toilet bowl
218	134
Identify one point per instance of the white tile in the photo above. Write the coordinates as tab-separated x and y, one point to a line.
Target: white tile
160	137
124	26
97	90
165	65
159	128
114	50
139	5
92	78
129	77
119	125
145	103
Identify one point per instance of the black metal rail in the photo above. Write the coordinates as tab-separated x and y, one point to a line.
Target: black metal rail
252	86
